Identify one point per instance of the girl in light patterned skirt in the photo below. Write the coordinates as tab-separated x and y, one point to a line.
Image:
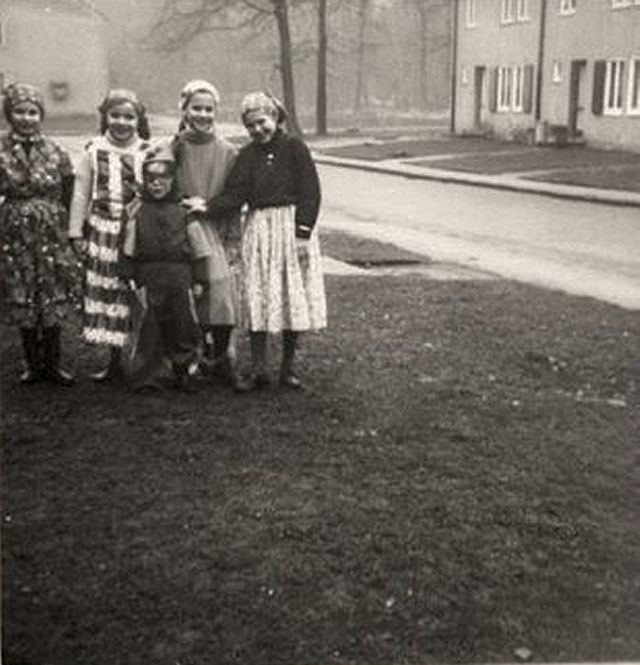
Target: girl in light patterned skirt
107	179
282	271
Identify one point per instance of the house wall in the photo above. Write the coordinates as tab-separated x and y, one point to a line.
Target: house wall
594	32
53	48
491	43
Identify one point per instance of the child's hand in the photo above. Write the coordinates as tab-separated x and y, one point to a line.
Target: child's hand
302	250
194	204
198	290
79	246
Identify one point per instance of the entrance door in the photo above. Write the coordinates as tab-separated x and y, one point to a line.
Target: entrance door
576	94
478	88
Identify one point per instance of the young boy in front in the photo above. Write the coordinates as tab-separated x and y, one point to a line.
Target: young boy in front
165	259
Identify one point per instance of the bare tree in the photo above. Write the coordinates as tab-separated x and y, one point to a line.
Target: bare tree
321	94
181	21
363	12
428	40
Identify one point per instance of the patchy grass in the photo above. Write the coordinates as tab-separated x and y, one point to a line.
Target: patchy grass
459	481
534	159
384	149
365	252
625	178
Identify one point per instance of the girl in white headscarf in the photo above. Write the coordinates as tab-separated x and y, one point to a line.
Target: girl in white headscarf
204	160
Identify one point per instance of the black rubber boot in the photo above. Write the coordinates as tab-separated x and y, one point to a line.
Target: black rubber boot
114	371
51	347
34	370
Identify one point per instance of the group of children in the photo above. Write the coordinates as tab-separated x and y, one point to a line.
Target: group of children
151	229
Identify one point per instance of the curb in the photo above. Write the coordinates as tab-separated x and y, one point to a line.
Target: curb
508	183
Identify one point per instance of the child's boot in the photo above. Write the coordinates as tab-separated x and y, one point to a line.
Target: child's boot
288	378
51	347
113	371
34	371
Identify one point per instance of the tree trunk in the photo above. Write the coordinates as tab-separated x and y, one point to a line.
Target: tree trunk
362	16
422	11
281	11
321	92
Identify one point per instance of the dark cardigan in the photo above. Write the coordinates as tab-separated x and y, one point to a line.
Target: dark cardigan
278	173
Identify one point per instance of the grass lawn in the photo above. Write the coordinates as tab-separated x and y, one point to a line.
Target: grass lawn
625	178
535	159
374	151
459	481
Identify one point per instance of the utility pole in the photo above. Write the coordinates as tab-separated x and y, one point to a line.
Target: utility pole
454	66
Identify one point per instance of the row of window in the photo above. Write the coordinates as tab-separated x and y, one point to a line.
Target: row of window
518	11
616	87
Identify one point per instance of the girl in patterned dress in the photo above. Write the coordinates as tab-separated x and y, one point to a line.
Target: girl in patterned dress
282	271
39	272
107	179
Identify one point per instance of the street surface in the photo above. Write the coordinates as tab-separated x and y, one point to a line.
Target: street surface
581	248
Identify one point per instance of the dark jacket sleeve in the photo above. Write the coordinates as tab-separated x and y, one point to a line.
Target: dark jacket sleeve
307	189
237	189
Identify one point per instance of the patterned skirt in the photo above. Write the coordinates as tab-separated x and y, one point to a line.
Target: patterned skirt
281	290
40	275
106	301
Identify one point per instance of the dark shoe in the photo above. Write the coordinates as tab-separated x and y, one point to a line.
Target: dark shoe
107	375
185	378
291	381
112	373
224	371
253	383
30	376
60	377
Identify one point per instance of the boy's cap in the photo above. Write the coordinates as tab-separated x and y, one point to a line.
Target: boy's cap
160	154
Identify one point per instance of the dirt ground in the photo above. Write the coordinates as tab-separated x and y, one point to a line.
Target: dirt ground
459	481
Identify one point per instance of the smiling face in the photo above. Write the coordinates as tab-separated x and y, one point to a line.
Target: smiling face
261	125
122	122
26	118
200	112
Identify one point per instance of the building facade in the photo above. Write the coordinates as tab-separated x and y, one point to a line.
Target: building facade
569	65
59	46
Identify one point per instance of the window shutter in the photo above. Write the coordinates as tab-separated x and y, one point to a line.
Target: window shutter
493	90
599	73
527	99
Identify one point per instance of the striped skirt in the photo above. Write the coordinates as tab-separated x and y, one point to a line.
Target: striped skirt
282	290
106	308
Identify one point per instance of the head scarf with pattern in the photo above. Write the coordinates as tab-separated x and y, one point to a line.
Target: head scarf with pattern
17	93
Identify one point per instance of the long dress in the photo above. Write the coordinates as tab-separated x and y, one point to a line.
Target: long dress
39	272
203	163
283	288
108	177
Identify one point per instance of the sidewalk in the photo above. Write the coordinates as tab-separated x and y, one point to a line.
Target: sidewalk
579	173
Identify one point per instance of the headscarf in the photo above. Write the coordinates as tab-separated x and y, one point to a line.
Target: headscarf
123	96
267	103
187	93
17	93
195	86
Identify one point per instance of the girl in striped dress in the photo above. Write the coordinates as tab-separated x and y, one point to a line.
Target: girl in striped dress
107	179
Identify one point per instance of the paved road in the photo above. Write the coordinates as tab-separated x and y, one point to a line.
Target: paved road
582	248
